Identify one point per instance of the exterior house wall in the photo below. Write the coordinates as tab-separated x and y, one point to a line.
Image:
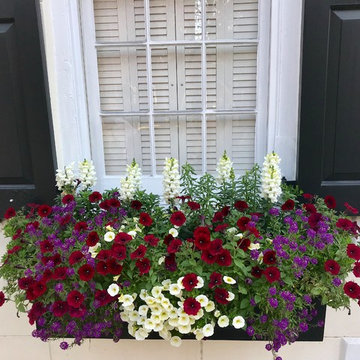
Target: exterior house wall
16	342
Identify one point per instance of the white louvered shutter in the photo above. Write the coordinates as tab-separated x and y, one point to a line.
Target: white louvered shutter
173	120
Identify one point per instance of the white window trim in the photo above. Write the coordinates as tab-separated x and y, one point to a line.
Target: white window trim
277	95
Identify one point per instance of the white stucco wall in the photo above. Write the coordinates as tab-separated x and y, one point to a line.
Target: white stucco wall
16	343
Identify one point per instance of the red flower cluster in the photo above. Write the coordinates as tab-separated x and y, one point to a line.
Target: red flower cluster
241	205
10	213
288	205
143	265
177	218
330	202
145	219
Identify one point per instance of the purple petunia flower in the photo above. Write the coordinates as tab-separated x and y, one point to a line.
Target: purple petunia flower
336	282
272	291
273	302
64	345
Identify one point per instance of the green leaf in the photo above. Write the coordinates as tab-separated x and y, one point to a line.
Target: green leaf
244	303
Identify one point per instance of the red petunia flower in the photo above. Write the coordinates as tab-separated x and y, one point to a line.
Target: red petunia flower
14	249
314	219
345	224
174	246
272	274
225	211
215	280
221	296
145	219
39	288
353	251
242	222
202	237
75	257
102	297
207	257
35	312
25	282
122	238
92	239
356	269
138	253
114	203
47	276
59	308
244	244
86	272
46	246
114	267
95	197
224	258
288	205
143	265
332	267
67	199
308	196
241	205
17	234
104	255
10	213
44	210
256	272
190	281
191	306
170	262
269	257
60	273
310	208
81	226
351	209
167	239
136	205
118	251
215	247
193	205
177	218
105	205
330	202
75	299
151	239
64	220
2	298
218	217
352	289
77	313
102	268
221	227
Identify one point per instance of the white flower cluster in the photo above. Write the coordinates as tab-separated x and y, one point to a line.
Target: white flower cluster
131	183
271	177
65	178
224	169
171	181
87	174
157	312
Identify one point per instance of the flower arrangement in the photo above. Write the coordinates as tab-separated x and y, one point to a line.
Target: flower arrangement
250	253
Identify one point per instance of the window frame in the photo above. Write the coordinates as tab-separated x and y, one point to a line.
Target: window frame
66	47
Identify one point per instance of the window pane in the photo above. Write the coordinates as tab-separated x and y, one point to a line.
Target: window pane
122	79
234	134
231	77
119	20
176	72
125	139
179	137
234	19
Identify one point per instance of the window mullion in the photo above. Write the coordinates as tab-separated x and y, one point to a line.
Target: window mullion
203	86
150	86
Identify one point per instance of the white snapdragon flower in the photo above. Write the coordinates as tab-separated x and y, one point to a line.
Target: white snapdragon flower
271	178
131	183
223	321
87	174
224	169
238	322
66	178
171	180
113	289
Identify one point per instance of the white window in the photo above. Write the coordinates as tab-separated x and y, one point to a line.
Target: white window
180	78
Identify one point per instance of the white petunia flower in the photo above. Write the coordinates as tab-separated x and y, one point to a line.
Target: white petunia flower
131	183
113	289
199	315
198	334
171	180
133	316
127	300
238	322
141	334
203	300
223	321
143	310
210	306
200	283
156	291
184	329
165	334
271	178
109	236
175	341
132	233
94	250
161	260
208	330
87	174
224	169
217	313
253	246
149	324
173	232
229	280
166	284
184	319
143	294
179	282
231	296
